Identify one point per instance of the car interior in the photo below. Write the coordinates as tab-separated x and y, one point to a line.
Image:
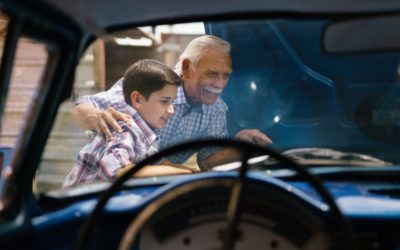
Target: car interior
321	79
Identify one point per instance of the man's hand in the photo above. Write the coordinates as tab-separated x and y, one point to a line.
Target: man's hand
253	136
87	116
103	120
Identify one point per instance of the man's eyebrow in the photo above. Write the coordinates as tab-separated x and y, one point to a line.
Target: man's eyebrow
212	70
215	70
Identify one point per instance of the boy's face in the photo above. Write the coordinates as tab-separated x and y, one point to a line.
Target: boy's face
205	81
158	108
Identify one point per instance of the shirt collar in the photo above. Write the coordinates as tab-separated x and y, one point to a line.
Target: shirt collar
181	99
180	96
149	133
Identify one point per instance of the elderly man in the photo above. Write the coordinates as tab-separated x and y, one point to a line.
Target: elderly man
204	66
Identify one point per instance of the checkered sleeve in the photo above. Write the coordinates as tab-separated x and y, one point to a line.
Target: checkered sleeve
119	153
111	98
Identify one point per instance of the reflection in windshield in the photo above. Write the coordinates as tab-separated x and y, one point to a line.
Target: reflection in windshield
326	156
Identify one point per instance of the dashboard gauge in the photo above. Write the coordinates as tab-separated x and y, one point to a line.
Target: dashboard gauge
189	218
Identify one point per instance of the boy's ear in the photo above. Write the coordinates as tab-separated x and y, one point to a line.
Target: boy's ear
135	99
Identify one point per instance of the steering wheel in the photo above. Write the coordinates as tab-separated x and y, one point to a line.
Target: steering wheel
237	187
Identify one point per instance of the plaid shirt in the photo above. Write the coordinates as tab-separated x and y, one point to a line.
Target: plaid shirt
188	122
99	160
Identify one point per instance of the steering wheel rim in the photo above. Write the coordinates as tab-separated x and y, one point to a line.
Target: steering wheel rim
346	232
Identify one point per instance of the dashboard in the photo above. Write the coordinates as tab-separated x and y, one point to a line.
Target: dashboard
189	212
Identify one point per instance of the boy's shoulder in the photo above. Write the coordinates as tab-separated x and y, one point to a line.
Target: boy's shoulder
129	125
138	132
136	125
128	130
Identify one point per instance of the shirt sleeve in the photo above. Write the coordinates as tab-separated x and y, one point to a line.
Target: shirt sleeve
111	98
119	153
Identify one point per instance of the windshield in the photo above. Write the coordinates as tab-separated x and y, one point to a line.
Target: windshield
286	85
277	83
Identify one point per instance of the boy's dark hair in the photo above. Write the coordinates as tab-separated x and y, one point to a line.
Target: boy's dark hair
147	76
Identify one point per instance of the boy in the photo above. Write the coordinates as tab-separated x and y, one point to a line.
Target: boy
149	88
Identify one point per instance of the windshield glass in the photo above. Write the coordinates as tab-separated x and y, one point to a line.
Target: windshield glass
269	82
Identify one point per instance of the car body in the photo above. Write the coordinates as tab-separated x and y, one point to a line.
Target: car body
320	78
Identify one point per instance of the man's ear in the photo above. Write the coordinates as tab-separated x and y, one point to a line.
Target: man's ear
135	99
185	69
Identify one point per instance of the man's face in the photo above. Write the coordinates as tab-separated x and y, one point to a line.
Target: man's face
205	81
158	108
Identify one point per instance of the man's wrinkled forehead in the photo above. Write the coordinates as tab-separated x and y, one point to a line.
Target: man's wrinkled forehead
216	60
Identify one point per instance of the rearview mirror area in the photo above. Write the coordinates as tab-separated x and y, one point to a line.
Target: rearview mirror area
376	33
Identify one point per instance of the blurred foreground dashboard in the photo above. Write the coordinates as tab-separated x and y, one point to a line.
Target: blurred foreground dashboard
278	211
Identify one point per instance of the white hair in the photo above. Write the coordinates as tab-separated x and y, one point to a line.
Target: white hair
197	47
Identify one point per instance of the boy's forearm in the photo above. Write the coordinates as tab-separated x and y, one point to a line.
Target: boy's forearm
222	156
180	166
153	170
